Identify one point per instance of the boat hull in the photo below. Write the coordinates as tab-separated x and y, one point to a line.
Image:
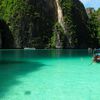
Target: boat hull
97	58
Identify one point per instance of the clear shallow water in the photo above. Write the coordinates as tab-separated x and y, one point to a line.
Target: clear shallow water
48	75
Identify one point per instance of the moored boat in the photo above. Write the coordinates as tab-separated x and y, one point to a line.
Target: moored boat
96	55
29	48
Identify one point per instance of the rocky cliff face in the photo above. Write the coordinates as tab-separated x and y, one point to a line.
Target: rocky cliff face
90	10
76	25
72	29
43	23
30	21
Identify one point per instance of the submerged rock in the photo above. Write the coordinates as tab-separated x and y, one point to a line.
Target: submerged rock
27	92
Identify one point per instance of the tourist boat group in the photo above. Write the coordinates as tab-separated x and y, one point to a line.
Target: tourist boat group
96	55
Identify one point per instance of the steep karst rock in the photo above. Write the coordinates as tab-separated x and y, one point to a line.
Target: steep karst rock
30	21
72	29
76	25
46	23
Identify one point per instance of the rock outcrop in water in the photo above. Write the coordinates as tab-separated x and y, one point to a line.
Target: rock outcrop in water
46	23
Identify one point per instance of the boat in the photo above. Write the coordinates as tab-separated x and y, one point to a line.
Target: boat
29	48
96	55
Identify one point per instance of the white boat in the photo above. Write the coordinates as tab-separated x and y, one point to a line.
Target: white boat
29	48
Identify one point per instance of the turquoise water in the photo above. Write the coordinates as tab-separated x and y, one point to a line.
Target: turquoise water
48	75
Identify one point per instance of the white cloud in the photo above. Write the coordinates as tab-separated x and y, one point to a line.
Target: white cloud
91	3
86	1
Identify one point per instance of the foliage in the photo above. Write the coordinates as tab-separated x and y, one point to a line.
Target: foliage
33	23
57	30
95	27
27	20
97	13
75	18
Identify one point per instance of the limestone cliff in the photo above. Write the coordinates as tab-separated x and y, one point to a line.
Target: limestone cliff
76	25
30	21
46	23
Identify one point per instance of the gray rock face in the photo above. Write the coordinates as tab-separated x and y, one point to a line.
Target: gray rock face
90	10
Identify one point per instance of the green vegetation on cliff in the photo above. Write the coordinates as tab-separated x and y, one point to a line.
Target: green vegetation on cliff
94	26
95	18
97	14
29	22
34	23
76	23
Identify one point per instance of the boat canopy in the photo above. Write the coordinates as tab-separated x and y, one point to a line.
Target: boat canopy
97	51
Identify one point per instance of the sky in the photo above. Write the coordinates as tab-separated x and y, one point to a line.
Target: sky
91	3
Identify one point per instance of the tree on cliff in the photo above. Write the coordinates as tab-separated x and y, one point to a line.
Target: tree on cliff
94	27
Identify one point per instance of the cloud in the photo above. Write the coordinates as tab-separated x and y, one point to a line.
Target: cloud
91	3
86	1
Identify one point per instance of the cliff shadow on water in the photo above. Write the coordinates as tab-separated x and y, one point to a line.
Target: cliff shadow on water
13	68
